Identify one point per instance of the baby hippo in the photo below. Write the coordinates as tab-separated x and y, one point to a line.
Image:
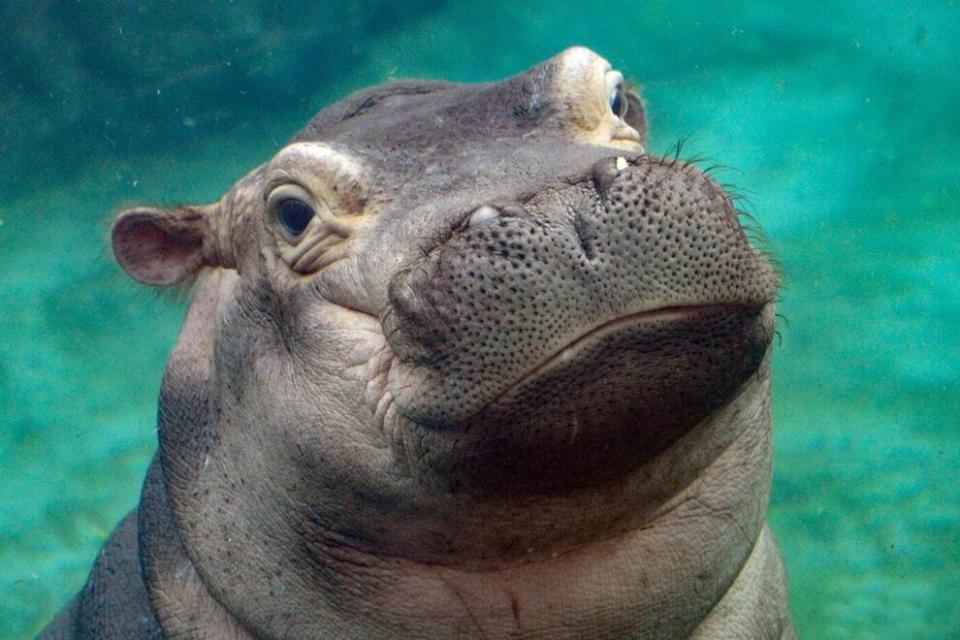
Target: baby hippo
462	361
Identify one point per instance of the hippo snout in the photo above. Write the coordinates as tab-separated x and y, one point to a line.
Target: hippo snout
616	276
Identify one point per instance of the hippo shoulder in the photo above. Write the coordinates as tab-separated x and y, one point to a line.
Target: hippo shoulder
113	604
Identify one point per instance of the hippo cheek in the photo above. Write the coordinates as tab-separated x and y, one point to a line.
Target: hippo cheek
610	402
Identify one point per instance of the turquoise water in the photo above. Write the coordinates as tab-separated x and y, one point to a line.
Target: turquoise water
838	121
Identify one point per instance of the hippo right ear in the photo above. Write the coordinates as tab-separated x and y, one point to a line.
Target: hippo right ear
165	247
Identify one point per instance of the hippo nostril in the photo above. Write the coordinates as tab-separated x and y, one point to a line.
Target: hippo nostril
606	171
585	228
402	295
481	215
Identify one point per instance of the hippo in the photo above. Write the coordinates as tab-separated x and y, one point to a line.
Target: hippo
461	361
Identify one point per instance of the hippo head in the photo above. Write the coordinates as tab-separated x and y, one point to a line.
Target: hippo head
452	325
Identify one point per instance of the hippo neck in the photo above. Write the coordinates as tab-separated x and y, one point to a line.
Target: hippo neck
659	579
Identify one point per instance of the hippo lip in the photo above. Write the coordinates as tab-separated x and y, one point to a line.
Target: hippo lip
569	351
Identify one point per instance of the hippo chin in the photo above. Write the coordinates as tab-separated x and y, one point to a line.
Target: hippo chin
462	361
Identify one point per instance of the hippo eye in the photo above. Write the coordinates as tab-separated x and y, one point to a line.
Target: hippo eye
616	95
294	215
290	205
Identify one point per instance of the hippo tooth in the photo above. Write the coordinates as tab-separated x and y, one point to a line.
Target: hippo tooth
481	215
621	163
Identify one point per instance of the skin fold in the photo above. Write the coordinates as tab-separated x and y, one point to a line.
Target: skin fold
462	361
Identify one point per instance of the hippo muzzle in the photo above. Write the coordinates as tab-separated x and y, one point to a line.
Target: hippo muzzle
558	342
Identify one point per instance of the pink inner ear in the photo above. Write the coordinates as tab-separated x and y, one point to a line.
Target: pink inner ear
152	250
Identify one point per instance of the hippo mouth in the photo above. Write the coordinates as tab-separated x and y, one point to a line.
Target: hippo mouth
569	353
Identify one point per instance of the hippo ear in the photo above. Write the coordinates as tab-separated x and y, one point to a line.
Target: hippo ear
637	112
164	247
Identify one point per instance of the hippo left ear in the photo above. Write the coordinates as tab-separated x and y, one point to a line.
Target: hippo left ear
165	247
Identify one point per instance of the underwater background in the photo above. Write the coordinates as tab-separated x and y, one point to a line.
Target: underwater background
838	121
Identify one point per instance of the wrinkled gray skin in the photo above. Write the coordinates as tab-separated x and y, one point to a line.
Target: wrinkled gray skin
511	382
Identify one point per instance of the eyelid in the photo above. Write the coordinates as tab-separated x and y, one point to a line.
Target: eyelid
613	80
274	194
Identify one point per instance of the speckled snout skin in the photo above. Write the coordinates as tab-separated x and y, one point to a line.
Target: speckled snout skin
463	361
